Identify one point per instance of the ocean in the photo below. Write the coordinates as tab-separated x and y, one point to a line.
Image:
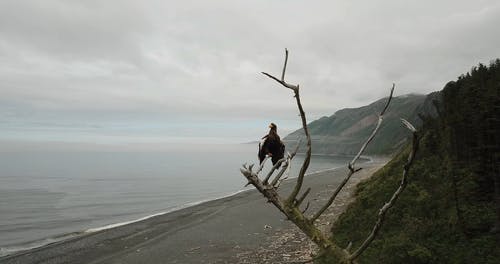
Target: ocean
50	196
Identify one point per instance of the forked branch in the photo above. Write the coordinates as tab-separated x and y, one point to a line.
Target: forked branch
290	206
277	180
305	164
282	81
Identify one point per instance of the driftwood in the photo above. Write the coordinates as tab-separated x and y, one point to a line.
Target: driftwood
290	206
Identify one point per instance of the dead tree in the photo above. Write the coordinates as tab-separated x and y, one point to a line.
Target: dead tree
290	206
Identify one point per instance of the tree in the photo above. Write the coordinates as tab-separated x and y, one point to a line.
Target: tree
290	206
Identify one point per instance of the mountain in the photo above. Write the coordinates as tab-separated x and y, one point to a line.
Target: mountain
345	131
450	210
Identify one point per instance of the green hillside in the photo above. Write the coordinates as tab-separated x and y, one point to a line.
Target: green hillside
450	211
345	131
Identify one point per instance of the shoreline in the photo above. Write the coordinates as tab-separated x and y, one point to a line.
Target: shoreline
190	208
61	238
12	250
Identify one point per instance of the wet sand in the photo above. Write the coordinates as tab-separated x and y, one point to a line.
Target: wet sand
239	229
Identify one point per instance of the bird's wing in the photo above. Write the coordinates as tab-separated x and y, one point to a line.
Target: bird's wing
262	153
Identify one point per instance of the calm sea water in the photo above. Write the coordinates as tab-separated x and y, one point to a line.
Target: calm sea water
48	196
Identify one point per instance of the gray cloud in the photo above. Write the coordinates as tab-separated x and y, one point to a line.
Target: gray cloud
120	65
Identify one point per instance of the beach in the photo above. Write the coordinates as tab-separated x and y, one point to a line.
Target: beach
241	228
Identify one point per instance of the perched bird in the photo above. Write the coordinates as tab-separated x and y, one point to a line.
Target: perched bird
272	145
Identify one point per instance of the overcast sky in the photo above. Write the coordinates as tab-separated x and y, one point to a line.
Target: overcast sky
156	71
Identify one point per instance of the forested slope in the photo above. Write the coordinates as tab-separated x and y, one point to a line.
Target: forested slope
449	213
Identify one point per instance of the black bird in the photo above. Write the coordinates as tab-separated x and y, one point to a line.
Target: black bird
272	146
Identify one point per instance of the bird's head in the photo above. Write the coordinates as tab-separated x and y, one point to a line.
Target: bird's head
273	126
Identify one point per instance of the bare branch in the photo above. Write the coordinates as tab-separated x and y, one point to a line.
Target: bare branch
352	170
295	88
296	148
287	85
290	206
380	118
349	246
262	164
269	193
279	181
332	198
278	176
301	199
284	66
307	207
287	165
294	215
408	125
307	160
388	101
277	165
390	203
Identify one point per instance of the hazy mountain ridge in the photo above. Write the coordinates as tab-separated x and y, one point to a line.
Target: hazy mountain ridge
345	131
